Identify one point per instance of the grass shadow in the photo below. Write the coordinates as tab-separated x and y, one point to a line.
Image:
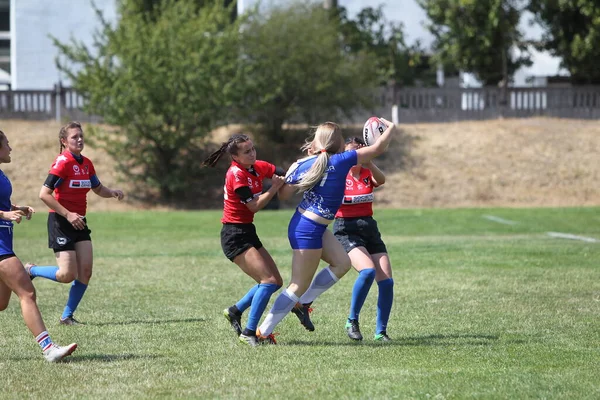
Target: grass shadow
148	322
428	340
107	358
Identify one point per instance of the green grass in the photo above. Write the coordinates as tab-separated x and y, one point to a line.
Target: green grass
482	310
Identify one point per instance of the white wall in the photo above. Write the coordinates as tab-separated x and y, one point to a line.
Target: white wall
32	52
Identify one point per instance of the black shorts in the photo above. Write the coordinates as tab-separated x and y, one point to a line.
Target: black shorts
359	232
61	234
237	238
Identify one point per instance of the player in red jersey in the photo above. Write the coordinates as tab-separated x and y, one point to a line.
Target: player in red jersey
12	276
356	229
243	197
65	190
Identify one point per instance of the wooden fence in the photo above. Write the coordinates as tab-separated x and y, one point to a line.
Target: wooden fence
413	104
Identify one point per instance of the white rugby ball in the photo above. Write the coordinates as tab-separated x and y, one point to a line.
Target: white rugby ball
373	128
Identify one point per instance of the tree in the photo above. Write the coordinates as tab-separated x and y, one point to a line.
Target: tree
572	32
295	69
164	83
396	62
479	36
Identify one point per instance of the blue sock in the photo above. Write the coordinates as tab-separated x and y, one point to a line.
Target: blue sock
361	288
75	295
246	301
259	303
48	272
384	303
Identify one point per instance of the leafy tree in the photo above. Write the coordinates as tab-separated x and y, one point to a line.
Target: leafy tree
295	69
572	32
479	36
163	83
395	61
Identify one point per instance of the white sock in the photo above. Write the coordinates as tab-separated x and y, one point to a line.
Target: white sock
282	306
323	281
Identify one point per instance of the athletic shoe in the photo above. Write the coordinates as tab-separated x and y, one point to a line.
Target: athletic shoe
353	330
269	339
234	320
56	353
249	339
28	270
70	321
382	337
303	313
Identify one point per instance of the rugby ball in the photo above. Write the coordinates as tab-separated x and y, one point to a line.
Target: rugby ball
373	128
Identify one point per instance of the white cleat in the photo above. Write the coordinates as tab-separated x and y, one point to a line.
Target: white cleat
56	353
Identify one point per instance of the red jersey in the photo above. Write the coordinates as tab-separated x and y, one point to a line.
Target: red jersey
358	196
235	209
76	180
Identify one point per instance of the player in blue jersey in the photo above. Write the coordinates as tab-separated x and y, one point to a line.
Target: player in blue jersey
13	277
321	178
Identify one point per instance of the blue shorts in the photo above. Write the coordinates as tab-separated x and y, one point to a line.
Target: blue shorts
304	233
6	240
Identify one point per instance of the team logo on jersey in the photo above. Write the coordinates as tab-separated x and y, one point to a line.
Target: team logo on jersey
80	184
61	241
349	183
76	170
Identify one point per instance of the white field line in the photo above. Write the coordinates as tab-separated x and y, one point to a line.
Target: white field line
500	220
572	237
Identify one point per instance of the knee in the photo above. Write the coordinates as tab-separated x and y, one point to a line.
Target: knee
85	275
66	276
28	296
274	280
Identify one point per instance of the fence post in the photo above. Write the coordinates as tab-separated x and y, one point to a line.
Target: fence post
58	100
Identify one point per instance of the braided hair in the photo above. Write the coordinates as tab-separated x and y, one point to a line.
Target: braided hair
230	147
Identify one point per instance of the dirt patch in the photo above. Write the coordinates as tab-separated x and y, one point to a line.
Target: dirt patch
516	162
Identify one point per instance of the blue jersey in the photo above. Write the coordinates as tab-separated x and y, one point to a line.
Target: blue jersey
326	196
5	205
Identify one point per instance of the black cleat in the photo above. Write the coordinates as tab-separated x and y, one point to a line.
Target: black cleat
303	313
353	330
234	320
382	337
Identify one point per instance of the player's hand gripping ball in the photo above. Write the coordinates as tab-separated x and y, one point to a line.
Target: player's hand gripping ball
373	128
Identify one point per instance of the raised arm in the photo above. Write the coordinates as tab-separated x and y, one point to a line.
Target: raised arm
366	154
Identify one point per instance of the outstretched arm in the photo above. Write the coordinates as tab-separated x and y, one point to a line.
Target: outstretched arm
108	193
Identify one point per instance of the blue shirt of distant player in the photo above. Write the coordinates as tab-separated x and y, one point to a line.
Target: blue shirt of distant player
326	196
5	226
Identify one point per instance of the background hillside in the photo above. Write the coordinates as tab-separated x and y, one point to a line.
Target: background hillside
517	162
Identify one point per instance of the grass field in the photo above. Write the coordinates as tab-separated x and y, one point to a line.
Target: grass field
483	309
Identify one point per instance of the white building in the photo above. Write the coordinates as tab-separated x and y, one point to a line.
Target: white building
32	54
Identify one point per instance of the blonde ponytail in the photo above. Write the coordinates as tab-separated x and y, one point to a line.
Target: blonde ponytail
327	140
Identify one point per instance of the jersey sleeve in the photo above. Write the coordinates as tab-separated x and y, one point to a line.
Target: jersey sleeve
59	168
292	175
265	168
348	158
